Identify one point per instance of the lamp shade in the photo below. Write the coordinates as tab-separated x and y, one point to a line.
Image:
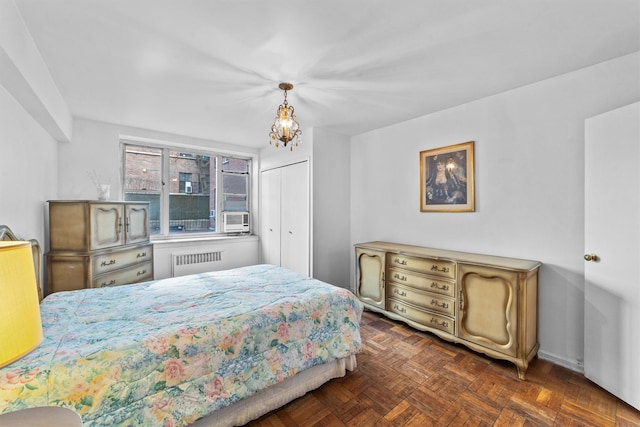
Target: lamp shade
20	324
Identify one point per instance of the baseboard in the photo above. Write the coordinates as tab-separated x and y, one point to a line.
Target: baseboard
575	365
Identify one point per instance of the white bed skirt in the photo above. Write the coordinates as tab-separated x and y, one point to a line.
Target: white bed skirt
278	395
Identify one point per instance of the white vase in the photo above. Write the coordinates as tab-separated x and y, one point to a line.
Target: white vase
103	191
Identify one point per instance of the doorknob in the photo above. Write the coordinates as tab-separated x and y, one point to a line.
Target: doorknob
591	257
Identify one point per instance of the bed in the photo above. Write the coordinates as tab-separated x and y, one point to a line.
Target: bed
219	348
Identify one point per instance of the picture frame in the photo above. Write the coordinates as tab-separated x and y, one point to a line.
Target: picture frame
447	179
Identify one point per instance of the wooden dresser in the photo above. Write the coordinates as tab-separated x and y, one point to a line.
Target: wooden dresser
94	244
487	303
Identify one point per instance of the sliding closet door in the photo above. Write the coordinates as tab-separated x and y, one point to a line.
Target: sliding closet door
270	216
294	249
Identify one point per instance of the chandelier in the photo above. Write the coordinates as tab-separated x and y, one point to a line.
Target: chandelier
285	128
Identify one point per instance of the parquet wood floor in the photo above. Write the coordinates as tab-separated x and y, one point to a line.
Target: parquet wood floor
410	378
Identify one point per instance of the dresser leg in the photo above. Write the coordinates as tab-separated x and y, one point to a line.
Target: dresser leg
521	372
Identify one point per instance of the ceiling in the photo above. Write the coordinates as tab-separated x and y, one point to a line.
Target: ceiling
211	68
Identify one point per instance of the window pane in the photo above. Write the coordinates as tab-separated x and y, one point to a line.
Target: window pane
143	180
230	164
235	182
235	191
192	200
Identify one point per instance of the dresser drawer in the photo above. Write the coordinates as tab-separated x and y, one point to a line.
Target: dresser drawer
116	260
419	281
423	317
136	273
426	300
424	265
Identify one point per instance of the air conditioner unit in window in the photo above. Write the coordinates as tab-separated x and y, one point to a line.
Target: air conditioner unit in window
187	187
235	222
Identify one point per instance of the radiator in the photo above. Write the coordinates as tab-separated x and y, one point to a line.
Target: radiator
193	263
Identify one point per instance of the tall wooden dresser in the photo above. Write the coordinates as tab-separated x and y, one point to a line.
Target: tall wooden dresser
487	303
97	243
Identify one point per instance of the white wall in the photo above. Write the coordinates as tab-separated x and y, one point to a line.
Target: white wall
331	207
272	157
236	252
24	74
28	170
33	115
529	171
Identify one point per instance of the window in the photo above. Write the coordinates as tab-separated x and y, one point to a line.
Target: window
182	187
185	183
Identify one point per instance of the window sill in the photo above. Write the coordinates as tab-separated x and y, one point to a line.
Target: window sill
161	240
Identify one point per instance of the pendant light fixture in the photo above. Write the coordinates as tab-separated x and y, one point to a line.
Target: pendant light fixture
285	129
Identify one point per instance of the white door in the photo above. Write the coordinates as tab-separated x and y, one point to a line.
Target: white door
270	216
612	234
294	205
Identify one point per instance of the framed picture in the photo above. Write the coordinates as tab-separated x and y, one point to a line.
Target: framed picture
446	179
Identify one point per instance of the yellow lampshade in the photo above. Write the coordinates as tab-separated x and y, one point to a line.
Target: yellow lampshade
20	324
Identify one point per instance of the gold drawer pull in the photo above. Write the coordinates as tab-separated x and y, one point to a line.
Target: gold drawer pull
442	288
400	277
140	273
444	323
443	305
141	255
112	282
434	267
400	309
399	292
105	263
400	261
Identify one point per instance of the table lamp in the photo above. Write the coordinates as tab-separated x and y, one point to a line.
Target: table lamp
20	324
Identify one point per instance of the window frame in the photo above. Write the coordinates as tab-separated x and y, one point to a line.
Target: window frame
165	188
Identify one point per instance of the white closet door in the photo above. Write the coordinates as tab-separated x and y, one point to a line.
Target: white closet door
612	233
270	216
295	224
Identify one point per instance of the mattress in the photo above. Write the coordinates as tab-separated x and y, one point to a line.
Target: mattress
168	352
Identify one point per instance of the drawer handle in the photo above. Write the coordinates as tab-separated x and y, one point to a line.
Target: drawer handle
141	255
399	277
434	267
105	263
112	282
437	286
400	309
444	323
400	261
140	273
399	292
443	305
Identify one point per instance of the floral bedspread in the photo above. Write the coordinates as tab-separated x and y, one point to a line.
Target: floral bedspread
167	352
